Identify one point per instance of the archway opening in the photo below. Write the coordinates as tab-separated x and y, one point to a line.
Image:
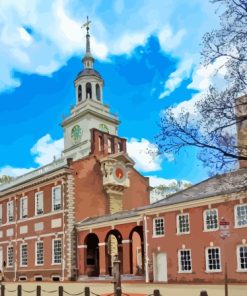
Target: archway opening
97	92
79	93
137	251
92	255
113	248
88	90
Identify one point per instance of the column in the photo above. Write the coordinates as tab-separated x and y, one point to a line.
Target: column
126	256
81	249
102	261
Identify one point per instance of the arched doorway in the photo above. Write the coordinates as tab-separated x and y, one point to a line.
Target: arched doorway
113	247
136	251
92	255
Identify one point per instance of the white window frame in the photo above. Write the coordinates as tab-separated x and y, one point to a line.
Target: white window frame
53	204
205	220
8	265
21	257
207	261
53	251
239	269
235	215
1	213
22	201
178	228
154	226
11	202
36	253
180	270
39	211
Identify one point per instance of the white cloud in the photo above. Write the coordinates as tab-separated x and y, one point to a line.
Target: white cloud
14	172
175	79
51	31
44	152
145	155
169	40
46	149
212	74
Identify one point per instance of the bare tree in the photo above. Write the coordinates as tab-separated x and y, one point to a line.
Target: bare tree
214	131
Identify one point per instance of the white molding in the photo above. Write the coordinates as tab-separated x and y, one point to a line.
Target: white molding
177	220
204	220
206	257
179	261
238	258
82	246
154	228
235	215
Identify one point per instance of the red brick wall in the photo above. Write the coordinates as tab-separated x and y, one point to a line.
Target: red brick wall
198	240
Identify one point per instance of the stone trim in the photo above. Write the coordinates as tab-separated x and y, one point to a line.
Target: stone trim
82	246
70	240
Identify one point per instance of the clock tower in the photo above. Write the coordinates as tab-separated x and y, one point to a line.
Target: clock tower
89	111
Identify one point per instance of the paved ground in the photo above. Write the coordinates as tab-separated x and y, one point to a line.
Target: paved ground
50	289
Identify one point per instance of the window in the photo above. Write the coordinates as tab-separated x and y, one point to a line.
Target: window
211	219
242	258
183	224
101	143
23	207
1	214
23	257
39	253
88	90
10	256
10	211
56	198
158	227
79	93
241	215
110	144
97	90
57	251
39	203
213	259
119	147
184	260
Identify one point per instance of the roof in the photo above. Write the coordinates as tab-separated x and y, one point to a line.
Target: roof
115	216
88	72
218	185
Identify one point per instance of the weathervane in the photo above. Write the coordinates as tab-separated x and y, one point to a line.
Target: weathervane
86	24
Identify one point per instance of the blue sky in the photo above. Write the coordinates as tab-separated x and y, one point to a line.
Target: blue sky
148	53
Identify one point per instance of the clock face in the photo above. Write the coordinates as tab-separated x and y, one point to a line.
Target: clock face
76	133
104	128
119	173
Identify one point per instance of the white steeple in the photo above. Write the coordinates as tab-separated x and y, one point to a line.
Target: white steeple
89	111
88	83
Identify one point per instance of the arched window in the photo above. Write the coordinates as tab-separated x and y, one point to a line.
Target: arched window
97	92
79	93
119	147
110	146
88	90
101	144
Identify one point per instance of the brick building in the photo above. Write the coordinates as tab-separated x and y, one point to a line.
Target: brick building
68	219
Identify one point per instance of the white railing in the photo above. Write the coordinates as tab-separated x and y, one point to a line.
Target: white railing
36	173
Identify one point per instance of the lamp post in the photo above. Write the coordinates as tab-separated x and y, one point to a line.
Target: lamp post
224	233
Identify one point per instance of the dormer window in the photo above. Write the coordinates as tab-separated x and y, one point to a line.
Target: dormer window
79	93
97	91
88	90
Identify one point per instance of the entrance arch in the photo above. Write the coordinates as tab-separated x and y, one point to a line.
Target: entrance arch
92	255
136	251
113	247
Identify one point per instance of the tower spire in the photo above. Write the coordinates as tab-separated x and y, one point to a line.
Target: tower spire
88	58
